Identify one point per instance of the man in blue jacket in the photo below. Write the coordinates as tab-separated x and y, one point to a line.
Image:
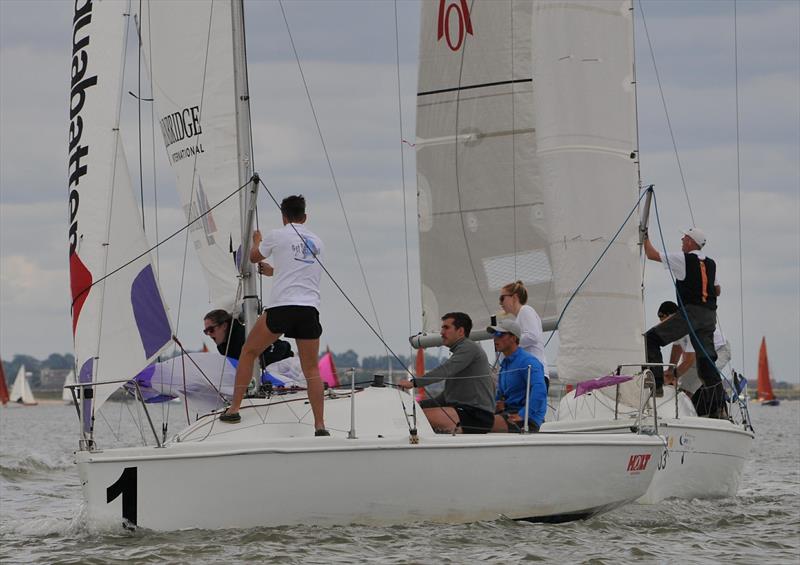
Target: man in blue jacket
513	380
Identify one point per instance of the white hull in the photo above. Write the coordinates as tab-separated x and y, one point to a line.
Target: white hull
704	456
244	475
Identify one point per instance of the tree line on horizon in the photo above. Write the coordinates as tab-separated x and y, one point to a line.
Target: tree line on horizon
346	360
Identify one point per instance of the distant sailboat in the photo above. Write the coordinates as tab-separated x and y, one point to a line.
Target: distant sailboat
3	386
765	394
21	391
66	394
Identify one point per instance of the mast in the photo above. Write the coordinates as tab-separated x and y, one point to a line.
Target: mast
247	198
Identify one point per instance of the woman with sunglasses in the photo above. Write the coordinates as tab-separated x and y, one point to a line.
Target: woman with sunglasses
513	300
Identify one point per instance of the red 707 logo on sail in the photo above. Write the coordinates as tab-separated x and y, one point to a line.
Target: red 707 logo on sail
448	9
638	463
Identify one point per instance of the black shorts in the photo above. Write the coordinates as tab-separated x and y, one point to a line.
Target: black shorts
299	322
474	420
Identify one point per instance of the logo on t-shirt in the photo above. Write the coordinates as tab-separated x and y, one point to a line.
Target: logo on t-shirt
306	251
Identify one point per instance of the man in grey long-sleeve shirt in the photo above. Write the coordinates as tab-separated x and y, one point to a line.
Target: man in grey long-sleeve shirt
467	404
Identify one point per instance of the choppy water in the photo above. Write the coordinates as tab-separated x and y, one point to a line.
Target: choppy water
41	522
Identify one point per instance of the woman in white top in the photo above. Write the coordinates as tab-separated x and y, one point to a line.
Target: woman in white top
513	300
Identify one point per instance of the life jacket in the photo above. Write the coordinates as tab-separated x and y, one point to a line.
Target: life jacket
697	287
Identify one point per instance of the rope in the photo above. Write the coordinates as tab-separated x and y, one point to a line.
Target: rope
330	169
682	307
458	177
402	170
339	288
597	262
160	243
666	112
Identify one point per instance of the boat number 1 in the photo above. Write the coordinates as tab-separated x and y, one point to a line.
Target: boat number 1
662	462
125	486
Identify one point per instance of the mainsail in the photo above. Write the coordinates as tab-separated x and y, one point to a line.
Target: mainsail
481	215
525	138
119	320
195	97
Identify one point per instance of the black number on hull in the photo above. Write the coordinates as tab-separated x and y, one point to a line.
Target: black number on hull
125	486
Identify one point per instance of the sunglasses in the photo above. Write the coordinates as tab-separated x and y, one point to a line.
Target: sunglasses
502	296
209	329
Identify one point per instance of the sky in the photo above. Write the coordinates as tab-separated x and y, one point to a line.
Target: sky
348	55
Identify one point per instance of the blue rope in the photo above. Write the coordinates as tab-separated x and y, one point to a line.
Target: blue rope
724	379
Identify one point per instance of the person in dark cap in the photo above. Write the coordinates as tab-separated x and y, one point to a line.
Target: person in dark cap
512	383
697	289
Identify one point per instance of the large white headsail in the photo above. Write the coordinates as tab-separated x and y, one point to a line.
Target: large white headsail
585	132
119	320
481	219
190	53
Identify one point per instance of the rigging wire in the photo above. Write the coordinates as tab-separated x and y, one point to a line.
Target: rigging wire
162	242
340	289
139	121
666	112
739	178
333	176
403	171
458	177
597	262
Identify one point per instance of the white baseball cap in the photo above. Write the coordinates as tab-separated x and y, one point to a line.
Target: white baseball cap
697	235
505	326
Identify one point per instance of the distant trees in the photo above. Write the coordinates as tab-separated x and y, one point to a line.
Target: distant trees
34	366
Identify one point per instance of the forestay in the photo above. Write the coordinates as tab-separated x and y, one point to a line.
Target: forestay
481	217
119	320
586	140
190	52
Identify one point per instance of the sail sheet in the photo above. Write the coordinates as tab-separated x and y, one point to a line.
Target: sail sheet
119	320
585	124
481	216
190	55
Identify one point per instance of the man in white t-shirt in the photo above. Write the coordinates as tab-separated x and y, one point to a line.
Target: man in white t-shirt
292	309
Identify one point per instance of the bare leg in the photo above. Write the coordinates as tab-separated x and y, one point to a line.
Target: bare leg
443	420
500	425
308	350
257	341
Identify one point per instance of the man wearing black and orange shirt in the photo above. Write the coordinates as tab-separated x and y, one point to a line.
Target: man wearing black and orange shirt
697	290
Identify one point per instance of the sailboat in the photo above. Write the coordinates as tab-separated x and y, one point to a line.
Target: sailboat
382	464
583	155
66	392
765	395
21	392
4	396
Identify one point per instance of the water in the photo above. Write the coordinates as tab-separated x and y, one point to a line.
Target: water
41	521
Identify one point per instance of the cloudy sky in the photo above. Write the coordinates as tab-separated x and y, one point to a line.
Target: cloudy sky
347	51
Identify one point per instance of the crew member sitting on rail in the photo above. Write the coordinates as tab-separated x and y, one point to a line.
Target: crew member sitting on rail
467	403
512	382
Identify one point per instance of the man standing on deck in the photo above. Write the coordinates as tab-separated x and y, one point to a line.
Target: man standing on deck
292	308
697	289
467	403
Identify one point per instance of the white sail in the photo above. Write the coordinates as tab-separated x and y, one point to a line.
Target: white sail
193	87
481	215
586	137
21	391
119	322
66	393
